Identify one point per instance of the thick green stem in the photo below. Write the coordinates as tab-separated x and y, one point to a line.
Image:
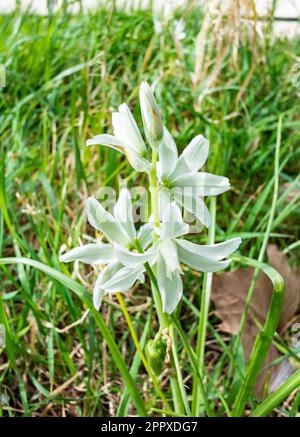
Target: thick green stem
204	309
272	401
264	338
163	318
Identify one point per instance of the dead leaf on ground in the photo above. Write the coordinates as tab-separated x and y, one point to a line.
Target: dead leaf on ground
229	292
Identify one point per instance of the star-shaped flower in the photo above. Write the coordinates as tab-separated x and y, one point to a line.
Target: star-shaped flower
180	179
117	227
169	251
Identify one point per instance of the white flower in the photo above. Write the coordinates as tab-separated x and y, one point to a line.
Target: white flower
153	126
127	139
180	180
169	251
119	228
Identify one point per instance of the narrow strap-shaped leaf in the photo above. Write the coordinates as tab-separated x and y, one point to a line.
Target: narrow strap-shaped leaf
264	338
85	297
272	401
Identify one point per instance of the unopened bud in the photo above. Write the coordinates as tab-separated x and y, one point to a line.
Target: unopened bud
153	126
156	351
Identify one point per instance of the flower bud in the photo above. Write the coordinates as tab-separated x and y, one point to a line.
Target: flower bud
156	351
153	126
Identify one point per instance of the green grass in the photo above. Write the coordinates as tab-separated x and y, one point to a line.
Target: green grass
65	75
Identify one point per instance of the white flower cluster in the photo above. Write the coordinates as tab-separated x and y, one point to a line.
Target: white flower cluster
160	247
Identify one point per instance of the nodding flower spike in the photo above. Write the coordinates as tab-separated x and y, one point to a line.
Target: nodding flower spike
128	253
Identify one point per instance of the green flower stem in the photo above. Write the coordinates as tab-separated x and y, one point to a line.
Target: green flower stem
264	338
204	309
272	401
163	318
154	189
140	351
164	322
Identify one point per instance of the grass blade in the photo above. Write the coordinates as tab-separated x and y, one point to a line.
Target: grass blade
86	299
272	401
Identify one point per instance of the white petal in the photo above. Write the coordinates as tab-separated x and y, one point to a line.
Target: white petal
107	140
214	251
139	163
145	235
134	259
193	157
123	213
101	219
105	275
131	129
170	289
206	184
172	223
123	279
164	199
195	205
189	256
89	254
168	155
168	251
125	128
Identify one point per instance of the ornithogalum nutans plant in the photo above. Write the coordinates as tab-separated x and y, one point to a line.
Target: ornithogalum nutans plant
158	244
159	247
162	249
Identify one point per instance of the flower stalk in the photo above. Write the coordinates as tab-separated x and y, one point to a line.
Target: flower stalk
158	247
